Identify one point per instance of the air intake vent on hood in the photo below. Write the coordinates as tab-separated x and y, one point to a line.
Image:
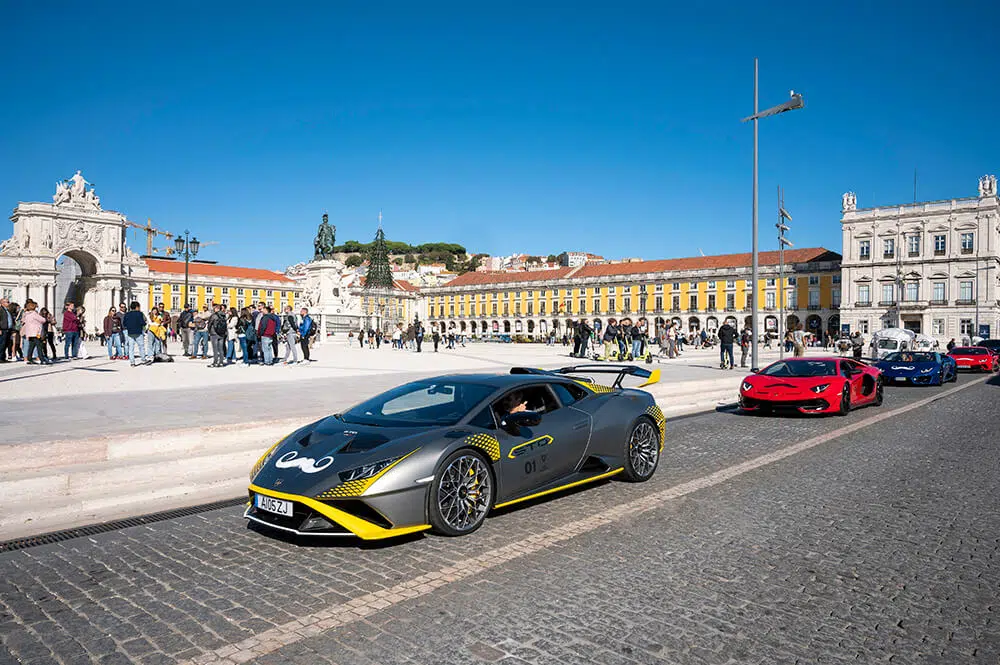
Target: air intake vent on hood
364	442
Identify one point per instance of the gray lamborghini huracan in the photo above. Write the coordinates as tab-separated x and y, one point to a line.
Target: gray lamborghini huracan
441	453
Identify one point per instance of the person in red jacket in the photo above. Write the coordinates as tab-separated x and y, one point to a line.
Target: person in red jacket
267	330
71	332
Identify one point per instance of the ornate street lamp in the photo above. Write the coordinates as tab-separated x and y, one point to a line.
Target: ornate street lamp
188	249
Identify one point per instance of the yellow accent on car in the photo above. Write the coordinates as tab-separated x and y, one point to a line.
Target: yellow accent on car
654	377
263	458
661	423
358	487
485	442
361	528
596	387
534	443
560	488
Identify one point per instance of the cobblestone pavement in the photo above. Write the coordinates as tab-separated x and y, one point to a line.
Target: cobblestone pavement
878	544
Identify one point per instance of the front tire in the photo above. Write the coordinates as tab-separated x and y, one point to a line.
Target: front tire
462	493
845	401
642	451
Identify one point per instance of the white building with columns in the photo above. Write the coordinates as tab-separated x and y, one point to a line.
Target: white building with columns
932	267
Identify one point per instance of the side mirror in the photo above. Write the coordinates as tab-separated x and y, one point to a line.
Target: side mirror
513	422
755	370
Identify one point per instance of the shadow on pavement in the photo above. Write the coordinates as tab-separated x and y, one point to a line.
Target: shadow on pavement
332	542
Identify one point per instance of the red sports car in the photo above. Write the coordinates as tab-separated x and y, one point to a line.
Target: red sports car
978	358
812	385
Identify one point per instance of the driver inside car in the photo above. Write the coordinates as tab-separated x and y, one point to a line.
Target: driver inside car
514	403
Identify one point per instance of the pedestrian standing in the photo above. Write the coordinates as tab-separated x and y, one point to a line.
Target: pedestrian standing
435	337
727	336
246	334
799	341
134	324
218	330
267	331
32	329
6	328
113	334
185	326
290	329
306	331
745	339
418	335
71	332
858	344
232	337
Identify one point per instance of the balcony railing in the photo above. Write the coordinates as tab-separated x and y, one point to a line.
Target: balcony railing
913	304
939	252
813	308
730	309
886	303
939	302
864	257
888	255
912	254
967	250
971	301
866	303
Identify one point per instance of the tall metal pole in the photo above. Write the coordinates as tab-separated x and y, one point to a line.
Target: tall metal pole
781	279
753	271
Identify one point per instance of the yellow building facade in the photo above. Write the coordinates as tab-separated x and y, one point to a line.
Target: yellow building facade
209	283
386	309
696	293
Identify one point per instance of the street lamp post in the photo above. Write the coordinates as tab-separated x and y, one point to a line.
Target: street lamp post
782	243
795	102
187	248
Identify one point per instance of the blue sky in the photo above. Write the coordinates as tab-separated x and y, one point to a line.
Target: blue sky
606	127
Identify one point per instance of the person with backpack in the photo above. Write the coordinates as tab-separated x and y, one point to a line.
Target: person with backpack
727	335
306	330
217	332
184	327
290	333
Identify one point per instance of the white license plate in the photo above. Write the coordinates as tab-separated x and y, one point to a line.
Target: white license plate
272	505
900	379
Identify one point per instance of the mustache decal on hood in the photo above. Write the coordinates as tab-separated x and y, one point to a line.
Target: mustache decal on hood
291	460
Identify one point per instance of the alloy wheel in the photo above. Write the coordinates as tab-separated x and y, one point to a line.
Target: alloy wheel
465	492
644	449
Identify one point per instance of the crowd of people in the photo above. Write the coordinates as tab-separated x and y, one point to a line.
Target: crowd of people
410	338
260	334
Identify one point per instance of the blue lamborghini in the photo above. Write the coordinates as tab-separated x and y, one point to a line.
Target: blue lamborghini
918	368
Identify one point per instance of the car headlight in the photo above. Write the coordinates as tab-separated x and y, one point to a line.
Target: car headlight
265	457
927	371
368	470
747	386
820	388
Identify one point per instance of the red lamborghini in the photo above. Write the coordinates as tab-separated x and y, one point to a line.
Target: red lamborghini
812	385
976	358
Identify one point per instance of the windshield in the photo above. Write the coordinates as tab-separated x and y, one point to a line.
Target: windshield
801	368
417	404
970	351
888	344
910	357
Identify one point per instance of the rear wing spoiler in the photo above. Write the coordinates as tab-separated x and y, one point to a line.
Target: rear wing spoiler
650	376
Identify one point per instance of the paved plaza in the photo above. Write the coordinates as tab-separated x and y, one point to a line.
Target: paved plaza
98	397
869	538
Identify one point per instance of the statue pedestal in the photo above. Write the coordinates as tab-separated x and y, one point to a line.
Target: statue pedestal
326	292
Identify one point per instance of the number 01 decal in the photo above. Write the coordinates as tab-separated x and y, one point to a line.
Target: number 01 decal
529	447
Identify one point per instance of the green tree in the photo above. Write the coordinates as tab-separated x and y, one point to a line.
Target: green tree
409	259
379	271
354	260
397	261
552	258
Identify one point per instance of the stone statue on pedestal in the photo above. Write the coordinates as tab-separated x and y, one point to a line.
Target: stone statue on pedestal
325	241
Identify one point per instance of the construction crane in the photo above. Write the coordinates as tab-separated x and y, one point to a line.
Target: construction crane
150	234
169	251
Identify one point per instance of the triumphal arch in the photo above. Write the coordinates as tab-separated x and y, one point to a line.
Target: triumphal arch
74	225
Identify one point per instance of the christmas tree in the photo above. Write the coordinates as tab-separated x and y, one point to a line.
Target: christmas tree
379	274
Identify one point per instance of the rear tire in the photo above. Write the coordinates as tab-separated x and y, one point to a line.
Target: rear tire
845	401
462	493
642	451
